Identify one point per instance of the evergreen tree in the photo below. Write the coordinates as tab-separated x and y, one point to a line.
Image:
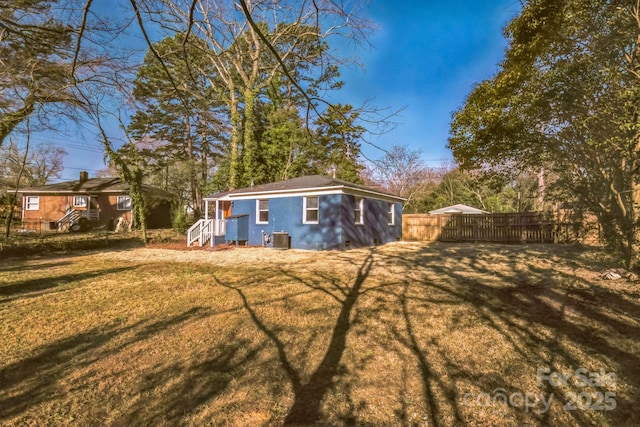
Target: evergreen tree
339	134
177	125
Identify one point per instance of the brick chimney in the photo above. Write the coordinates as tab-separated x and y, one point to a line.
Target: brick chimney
84	176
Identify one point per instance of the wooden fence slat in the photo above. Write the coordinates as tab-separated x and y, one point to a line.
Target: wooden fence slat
502	228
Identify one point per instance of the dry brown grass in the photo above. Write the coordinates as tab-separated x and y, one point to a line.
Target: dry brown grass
405	334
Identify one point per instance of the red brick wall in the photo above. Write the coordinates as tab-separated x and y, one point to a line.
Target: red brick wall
54	206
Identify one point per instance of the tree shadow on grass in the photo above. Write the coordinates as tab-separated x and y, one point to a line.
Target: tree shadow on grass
36	287
423	318
408	339
33	380
308	395
21	266
546	317
179	389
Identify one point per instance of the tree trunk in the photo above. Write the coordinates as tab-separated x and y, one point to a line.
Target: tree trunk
632	238
196	197
236	137
23	165
250	147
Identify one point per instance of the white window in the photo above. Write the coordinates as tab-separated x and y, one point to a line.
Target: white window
310	210
391	214
32	203
123	203
79	201
262	211
358	216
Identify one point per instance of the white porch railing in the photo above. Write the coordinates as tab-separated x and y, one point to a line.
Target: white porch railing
204	230
219	227
194	232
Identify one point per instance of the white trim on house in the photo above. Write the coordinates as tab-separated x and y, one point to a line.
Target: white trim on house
123	203
258	211
306	209
32	205
358	212
391	212
317	191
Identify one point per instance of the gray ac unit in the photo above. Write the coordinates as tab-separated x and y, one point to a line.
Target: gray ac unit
281	240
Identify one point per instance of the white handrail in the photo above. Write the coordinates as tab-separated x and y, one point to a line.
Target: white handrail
204	230
194	232
68	217
205	233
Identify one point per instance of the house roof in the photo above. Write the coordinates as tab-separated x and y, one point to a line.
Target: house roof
94	186
459	208
305	185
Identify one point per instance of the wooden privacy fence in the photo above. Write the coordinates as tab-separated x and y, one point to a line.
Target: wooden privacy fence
503	228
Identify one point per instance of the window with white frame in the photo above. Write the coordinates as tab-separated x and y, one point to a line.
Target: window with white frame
80	201
310	210
358	211
262	211
391	214
123	203
32	203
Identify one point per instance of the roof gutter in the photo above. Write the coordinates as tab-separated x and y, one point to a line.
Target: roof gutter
338	189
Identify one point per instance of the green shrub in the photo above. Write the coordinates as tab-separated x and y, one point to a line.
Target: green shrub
179	220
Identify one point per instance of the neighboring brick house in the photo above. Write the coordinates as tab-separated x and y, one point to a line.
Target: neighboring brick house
96	202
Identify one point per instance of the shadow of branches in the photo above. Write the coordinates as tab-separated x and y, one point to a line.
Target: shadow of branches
308	395
406	334
35	379
538	314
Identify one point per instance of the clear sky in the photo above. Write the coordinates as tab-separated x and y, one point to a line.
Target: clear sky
426	57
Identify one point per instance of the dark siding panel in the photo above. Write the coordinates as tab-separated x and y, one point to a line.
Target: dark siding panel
376	228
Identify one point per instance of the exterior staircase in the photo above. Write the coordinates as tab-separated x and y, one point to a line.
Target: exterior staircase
204	230
68	219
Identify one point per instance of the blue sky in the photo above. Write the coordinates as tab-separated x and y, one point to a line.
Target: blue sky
426	57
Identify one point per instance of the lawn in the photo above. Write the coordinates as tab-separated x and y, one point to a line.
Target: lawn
403	334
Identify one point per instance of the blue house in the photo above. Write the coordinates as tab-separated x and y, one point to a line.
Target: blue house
312	212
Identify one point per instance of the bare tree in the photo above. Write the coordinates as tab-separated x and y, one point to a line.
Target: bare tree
249	43
30	166
401	171
40	67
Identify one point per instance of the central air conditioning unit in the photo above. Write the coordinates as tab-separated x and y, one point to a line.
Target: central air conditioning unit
281	240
